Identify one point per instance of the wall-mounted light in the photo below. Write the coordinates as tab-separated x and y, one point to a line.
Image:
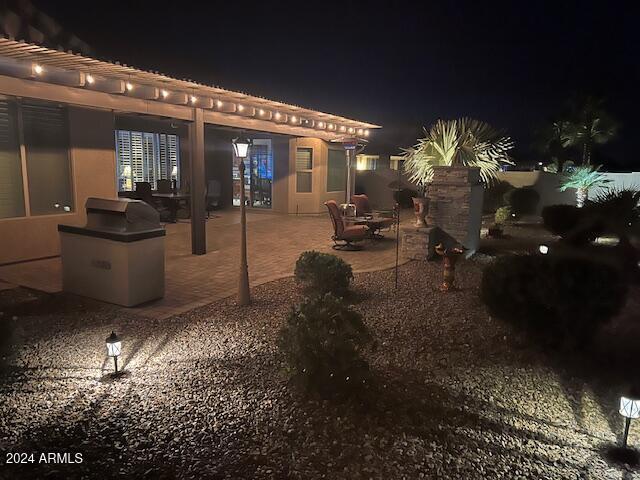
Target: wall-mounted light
164	93
278	115
37	69
240	108
343	128
193	99
89	79
366	133
331	126
320	124
351	129
219	103
261	112
129	86
293	119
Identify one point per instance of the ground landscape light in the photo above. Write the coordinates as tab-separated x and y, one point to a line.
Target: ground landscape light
543	249
114	348
629	408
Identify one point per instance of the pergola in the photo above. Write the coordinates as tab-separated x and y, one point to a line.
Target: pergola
34	71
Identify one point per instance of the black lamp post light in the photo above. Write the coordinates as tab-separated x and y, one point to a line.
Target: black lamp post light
114	348
241	147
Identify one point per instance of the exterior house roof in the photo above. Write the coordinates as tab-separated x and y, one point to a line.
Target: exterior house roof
38	63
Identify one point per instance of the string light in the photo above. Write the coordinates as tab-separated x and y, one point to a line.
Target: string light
343	128
89	78
129	86
37	69
240	108
320	124
278	115
219	103
261	112
293	119
366	133
193	99
164	93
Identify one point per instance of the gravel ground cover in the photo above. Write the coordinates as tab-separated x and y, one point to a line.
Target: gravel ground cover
203	394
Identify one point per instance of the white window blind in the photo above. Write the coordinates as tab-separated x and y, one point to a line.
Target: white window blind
146	157
304	170
11	191
336	170
46	140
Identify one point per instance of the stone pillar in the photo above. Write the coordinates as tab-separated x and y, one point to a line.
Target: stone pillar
455	204
418	243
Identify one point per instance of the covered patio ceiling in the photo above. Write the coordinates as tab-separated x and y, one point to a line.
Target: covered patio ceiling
40	72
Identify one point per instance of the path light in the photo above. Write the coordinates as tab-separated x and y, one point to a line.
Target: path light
543	249
629	408
114	347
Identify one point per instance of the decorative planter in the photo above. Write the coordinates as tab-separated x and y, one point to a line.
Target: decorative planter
420	207
450	256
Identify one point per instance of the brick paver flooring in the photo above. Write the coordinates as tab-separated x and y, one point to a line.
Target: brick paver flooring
274	243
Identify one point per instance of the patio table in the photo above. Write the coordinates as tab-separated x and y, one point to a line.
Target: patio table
172	201
373	222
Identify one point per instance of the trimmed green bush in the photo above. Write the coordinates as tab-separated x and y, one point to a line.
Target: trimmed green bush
561	301
523	201
503	215
322	273
322	342
561	219
494	196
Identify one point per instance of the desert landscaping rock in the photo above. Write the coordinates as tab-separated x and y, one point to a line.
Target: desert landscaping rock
203	394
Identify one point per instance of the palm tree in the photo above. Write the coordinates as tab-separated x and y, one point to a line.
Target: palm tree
549	142
466	142
582	179
590	125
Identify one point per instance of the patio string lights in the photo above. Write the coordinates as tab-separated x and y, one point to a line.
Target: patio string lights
630	409
114	348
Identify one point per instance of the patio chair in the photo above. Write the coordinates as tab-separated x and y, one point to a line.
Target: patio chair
344	237
143	192
385	219
212	199
164	185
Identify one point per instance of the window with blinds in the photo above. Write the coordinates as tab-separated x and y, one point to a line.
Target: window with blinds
336	170
11	190
46	141
146	157
304	170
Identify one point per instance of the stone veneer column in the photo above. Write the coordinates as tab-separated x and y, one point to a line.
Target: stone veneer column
455	204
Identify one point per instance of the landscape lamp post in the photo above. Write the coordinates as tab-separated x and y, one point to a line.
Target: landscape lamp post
241	146
114	347
629	408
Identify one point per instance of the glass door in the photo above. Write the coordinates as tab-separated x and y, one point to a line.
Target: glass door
258	176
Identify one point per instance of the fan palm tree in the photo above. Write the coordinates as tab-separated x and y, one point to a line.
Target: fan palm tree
591	125
582	179
464	142
549	142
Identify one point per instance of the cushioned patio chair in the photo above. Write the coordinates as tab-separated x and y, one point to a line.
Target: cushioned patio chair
344	237
385	219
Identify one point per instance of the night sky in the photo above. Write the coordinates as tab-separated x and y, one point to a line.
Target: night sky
401	65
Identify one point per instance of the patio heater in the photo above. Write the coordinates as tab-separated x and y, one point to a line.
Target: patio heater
241	146
352	147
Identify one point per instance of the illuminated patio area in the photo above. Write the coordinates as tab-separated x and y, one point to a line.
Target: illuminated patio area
274	241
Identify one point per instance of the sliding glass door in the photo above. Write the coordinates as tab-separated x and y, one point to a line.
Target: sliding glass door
258	176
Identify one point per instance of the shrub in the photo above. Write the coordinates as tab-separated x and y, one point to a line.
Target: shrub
559	300
322	341
503	214
561	219
523	200
322	273
494	195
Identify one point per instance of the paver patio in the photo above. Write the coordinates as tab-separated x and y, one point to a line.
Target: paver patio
274	243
